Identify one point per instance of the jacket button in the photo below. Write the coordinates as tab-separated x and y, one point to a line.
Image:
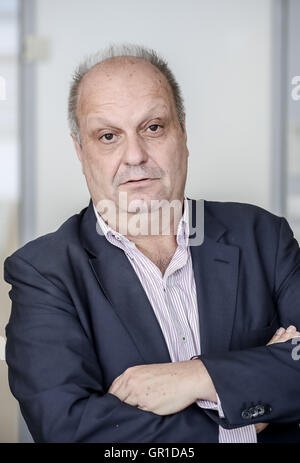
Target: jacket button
246	415
260	409
254	412
268	408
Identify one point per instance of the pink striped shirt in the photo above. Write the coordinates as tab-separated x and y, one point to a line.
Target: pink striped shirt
174	301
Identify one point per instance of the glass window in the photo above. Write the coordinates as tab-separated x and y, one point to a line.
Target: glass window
293	122
9	192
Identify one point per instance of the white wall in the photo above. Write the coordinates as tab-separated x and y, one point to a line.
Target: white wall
220	51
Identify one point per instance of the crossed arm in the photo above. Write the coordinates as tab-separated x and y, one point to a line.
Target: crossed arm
171	387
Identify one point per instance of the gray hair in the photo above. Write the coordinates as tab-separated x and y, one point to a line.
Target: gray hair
111	51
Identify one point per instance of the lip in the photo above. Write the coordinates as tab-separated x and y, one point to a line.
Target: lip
140	182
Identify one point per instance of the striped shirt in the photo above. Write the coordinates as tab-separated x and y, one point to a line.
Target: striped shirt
174	301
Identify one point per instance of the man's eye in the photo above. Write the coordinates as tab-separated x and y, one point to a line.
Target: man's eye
107	137
154	127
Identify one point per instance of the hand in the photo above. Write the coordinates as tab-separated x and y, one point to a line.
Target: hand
281	335
163	388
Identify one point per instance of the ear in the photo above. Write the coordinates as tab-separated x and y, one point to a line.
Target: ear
184	127
77	148
184	132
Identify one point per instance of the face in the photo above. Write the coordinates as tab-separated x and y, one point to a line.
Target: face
130	131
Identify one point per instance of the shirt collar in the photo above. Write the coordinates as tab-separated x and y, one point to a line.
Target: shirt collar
182	235
183	226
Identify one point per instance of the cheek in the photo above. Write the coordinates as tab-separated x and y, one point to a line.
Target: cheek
164	153
174	158
98	169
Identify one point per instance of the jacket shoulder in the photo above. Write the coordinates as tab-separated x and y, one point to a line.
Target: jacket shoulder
51	244
246	222
227	211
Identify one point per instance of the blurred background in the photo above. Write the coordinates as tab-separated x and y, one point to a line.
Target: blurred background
237	62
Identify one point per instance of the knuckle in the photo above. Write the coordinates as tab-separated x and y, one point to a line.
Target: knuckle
128	373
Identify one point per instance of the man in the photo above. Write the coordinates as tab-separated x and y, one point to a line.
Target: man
143	337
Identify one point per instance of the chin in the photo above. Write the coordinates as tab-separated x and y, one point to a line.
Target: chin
138	203
141	201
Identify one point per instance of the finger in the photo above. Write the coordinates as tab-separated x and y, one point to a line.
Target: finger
120	392
277	335
285	335
296	334
131	400
289	333
291	329
115	385
260	427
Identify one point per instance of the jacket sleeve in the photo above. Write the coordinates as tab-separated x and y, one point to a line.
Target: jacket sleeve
262	384
56	377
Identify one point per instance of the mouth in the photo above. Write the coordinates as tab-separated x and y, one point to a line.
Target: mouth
142	181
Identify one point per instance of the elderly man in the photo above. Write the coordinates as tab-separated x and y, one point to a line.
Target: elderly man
133	336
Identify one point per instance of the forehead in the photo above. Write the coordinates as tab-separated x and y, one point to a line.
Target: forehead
122	82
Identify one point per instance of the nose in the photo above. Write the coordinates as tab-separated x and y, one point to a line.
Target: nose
134	151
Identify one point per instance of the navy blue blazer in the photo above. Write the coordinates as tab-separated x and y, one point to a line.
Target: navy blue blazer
80	318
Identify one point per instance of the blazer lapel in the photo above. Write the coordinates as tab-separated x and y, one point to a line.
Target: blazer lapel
124	291
216	267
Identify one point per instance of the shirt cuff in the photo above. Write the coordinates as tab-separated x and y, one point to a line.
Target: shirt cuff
212	405
208	403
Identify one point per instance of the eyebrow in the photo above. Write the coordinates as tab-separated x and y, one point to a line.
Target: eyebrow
151	111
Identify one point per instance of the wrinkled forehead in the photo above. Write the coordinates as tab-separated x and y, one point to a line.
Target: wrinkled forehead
122	79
